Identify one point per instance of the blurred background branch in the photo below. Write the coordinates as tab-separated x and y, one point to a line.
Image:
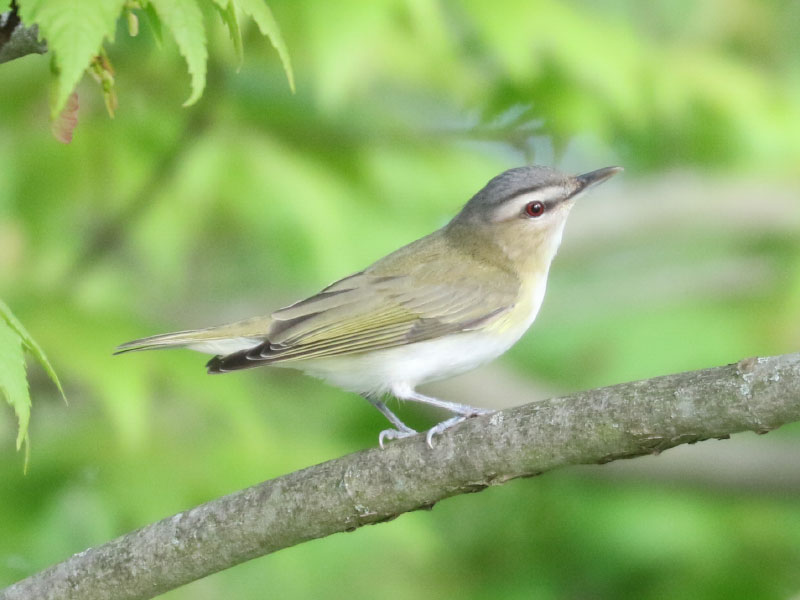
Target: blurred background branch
375	486
104	236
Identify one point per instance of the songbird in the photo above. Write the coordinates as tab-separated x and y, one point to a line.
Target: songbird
444	304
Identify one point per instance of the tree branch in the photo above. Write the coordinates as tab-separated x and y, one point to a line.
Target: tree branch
372	486
16	40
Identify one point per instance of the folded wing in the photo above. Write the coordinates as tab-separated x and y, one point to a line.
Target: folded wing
379	308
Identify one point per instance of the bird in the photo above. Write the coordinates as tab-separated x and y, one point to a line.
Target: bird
437	307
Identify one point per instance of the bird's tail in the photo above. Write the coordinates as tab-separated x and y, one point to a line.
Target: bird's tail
224	339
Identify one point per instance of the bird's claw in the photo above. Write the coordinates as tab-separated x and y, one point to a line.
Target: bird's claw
400	433
394	434
452	422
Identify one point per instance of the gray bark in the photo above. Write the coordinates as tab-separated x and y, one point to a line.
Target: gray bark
372	486
16	40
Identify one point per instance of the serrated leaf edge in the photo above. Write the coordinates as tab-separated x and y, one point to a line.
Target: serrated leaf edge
29	344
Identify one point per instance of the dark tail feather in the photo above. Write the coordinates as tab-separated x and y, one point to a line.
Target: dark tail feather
244	359
214	366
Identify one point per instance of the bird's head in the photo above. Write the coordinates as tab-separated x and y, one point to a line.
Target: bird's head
523	211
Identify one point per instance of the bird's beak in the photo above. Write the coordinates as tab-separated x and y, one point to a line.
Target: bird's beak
592	178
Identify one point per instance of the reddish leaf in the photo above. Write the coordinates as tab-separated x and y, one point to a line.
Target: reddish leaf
64	124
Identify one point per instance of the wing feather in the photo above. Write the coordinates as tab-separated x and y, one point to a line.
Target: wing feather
392	303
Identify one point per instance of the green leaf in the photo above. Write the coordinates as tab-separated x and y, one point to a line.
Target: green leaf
155	23
185	20
268	26
30	344
228	14
74	32
13	382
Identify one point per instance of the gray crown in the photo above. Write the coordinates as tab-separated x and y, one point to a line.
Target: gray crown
514	182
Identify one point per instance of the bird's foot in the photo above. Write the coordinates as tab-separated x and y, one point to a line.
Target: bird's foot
395	434
452	422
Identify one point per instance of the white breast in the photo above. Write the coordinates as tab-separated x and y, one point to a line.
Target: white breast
382	370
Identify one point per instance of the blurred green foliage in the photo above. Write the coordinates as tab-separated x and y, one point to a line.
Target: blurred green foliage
166	219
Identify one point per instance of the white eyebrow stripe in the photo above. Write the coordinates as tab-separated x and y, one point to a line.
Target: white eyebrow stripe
513	206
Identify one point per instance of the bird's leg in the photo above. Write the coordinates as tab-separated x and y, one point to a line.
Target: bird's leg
463	411
454	407
401	429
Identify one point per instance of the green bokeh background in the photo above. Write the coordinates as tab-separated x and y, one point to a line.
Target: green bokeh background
167	218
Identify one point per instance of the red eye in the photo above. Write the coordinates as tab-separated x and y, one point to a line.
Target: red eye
534	209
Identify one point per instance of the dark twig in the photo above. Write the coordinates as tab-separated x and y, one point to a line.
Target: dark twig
16	40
